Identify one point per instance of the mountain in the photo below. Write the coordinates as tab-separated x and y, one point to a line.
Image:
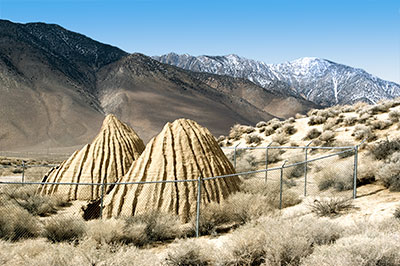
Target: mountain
56	87
318	80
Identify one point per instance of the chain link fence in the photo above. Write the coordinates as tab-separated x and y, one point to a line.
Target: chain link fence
272	176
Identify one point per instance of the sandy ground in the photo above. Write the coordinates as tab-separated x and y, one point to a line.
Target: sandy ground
11	178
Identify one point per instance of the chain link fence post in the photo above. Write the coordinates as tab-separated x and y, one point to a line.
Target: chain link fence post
102	199
281	185
23	172
355	171
198	207
305	168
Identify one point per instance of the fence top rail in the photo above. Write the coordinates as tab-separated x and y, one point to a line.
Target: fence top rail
289	147
186	180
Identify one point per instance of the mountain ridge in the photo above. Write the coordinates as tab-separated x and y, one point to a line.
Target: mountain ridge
321	81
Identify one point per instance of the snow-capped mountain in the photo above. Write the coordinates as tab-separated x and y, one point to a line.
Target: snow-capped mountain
319	80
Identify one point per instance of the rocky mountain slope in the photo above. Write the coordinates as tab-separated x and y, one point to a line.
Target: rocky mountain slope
57	85
319	80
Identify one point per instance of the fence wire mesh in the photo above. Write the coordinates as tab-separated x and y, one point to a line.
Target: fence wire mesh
270	179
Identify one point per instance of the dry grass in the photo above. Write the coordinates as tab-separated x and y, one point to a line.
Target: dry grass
189	252
16	223
64	229
26	197
330	207
272	241
256	199
364	249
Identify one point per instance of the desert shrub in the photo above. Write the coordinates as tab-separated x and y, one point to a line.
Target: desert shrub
359	106
332	123
272	241
291	120
274	155
261	124
389	174
269	131
327	136
347	109
362	132
157	227
280	138
339	177
383	149
330	207
186	253
379	108
237	131
253	139
381	124
396	213
312	112
221	138
394	116
316	120
350	121
363	118
354	250
299	116
312	134
27	198
16	223
289	129
261	129
367	170
297	170
64	229
17	170
275	125
245	160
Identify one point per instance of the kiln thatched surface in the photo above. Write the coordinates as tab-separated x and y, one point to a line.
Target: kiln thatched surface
106	159
183	150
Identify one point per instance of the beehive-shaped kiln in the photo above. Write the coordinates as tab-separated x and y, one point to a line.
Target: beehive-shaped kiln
105	160
183	150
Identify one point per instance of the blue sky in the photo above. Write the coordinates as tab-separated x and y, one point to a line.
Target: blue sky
364	34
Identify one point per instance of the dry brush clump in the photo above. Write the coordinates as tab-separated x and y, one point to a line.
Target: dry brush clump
27	198
289	129
394	116
253	139
332	123
312	134
362	132
280	138
17	223
389	172
316	120
256	199
237	131
189	252
274	241
381	124
261	124
64	229
384	148
330	207
338	176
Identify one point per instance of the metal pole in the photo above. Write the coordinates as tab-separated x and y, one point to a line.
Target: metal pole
234	157
266	162
305	169
355	172
102	199
281	188
23	171
198	207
